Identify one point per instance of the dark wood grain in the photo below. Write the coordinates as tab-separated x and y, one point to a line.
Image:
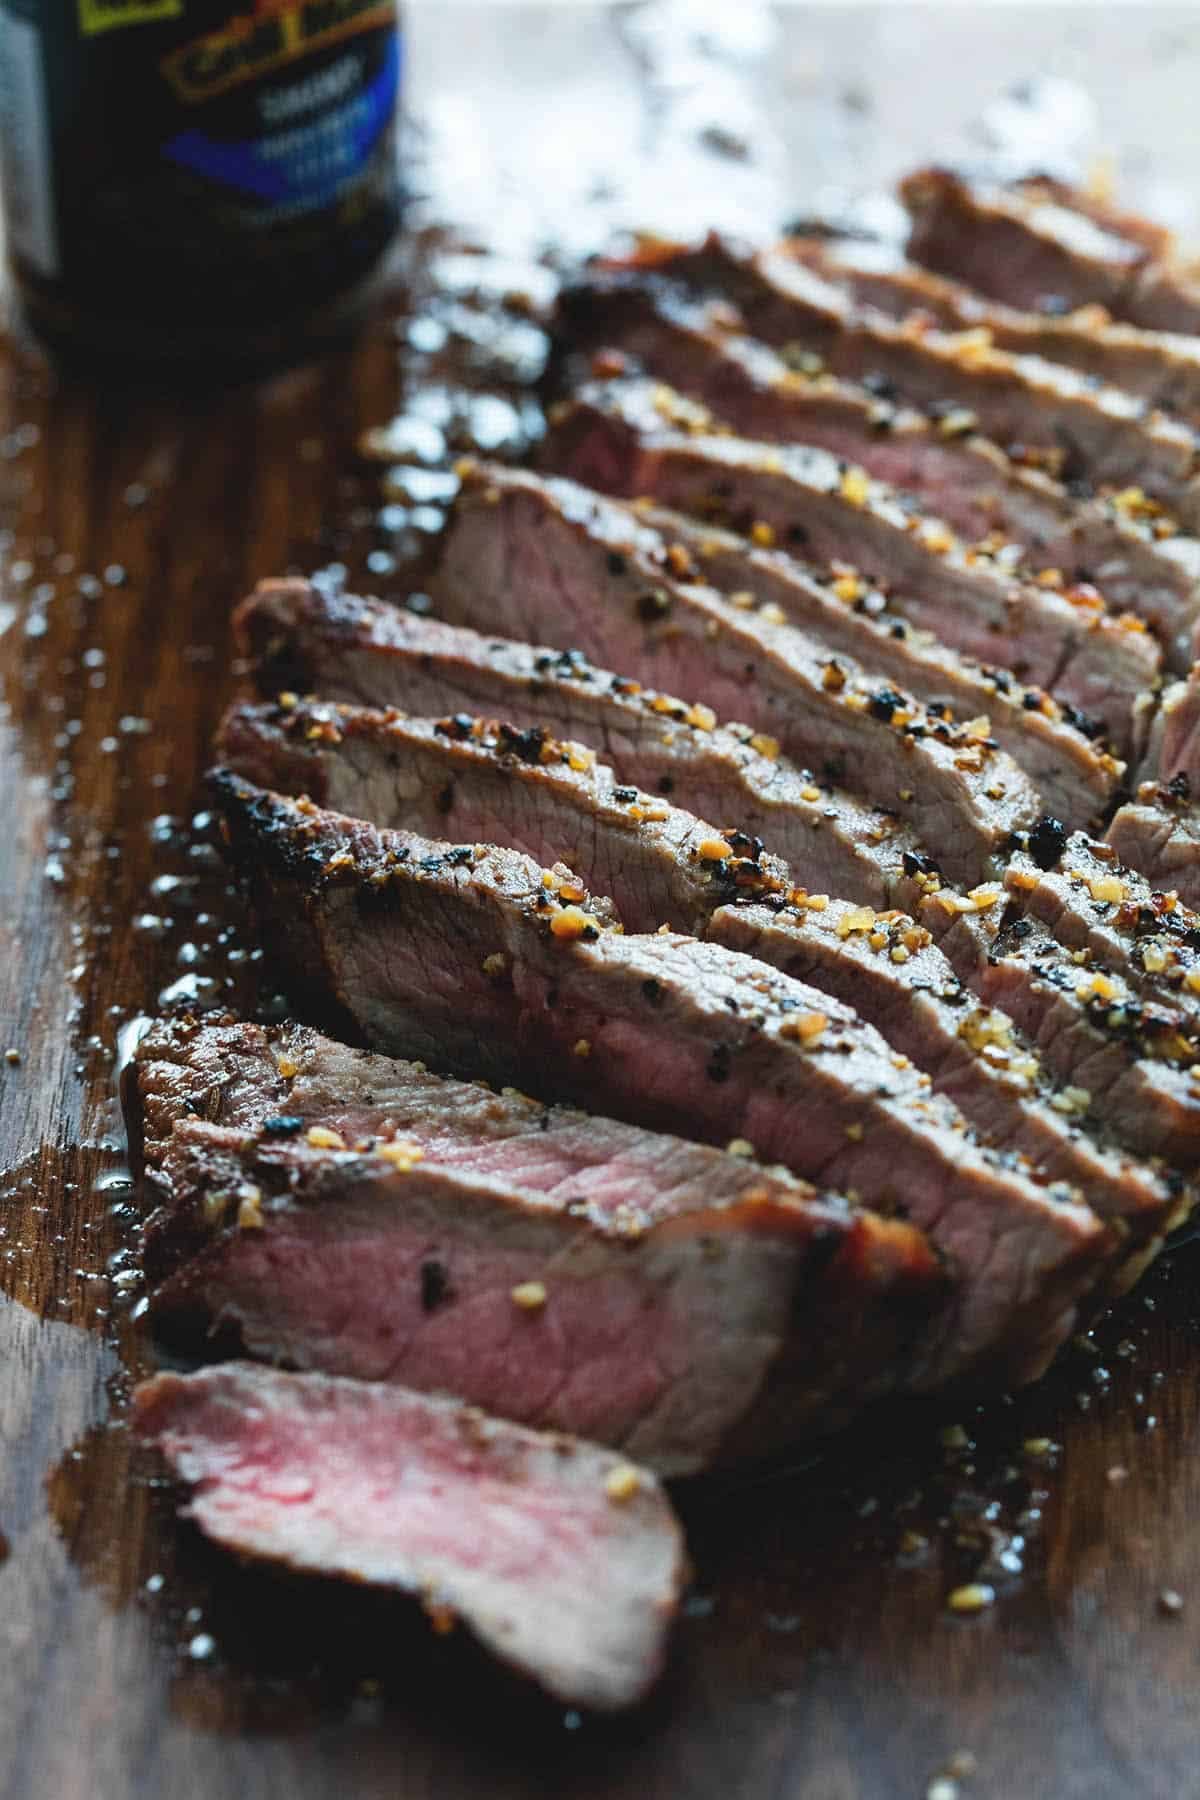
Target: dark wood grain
818	1660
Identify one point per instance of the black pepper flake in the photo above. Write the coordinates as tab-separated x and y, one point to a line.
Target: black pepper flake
653	604
916	862
282	1125
460	856
797	533
460	726
1047	841
625	796
435	1284
666	784
527	745
652	990
616	563
431	864
883	704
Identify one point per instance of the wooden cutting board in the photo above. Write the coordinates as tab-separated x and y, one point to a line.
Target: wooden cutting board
818	1659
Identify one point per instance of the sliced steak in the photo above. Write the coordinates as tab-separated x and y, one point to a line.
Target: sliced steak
363	651
1037	411
540	557
1173	752
483	781
470	960
1162	368
1040	246
561	1559
1092	903
888	968
636	440
1159	835
1129	1062
1121	543
687	1300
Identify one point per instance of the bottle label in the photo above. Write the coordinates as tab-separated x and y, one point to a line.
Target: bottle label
204	157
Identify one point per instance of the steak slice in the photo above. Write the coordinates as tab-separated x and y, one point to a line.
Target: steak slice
1040	245
363	651
636	440
1092	903
1173	751
1129	1062
1037	411
1120	543
1162	368
696	1307
889	969
483	781
542	556
560	1558
394	931
1159	835
551	800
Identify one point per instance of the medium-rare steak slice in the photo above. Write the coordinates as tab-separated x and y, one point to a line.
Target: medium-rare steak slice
1092	903
361	651
483	962
1039	245
1129	1062
562	1559
888	968
1037	411
1163	368
542	556
680	1302
1120	543
639	440
551	800
1159	835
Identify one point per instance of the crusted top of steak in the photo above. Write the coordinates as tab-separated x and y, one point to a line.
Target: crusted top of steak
560	1558
546	555
1036	410
640	439
396	932
1162	367
1121	542
1040	244
427	1202
363	651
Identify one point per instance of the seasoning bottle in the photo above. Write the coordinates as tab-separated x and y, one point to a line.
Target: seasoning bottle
187	179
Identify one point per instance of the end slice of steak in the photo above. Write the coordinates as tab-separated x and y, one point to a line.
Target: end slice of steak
637	440
887	966
561	1559
362	651
480	966
543	556
1129	1062
578	1274
1037	411
1162	368
1159	835
1120	543
1039	245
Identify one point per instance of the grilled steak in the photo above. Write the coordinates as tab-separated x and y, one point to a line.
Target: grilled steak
544	556
1037	411
1173	751
561	1559
1120	543
1130	1063
1159	835
362	651
1161	367
638	440
471	960
1092	903
1041	246
890	971
694	1306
